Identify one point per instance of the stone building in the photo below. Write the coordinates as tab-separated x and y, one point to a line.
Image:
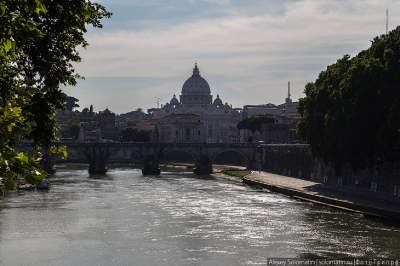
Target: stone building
100	127
282	130
180	128
107	125
89	132
287	109
197	115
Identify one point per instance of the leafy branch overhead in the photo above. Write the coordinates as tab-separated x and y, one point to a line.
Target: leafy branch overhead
39	41
351	113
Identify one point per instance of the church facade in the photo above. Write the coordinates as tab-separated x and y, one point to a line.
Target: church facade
196	117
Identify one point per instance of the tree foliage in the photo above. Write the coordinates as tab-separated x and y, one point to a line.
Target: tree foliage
351	113
70	103
254	123
130	134
39	41
72	131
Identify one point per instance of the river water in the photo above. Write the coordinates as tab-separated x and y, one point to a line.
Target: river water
124	218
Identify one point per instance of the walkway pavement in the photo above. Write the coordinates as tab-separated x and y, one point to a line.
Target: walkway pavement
364	202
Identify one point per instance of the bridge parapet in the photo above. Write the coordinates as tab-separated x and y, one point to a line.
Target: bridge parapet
99	154
159	144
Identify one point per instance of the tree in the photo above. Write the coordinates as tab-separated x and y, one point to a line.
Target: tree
39	41
351	113
71	103
72	131
130	134
254	123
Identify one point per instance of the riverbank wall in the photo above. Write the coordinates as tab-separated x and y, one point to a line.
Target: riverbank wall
296	160
319	193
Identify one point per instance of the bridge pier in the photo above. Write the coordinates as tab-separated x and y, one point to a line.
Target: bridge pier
47	162
251	165
97	157
97	167
151	165
203	166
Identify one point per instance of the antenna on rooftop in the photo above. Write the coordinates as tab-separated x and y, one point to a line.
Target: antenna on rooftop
387	20
288	100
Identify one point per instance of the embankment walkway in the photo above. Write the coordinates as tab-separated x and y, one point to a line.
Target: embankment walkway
365	202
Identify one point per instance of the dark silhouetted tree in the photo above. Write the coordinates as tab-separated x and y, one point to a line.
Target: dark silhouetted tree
351	113
130	134
39	41
254	123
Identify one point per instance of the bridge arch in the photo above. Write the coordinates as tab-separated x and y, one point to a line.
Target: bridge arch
178	155
136	156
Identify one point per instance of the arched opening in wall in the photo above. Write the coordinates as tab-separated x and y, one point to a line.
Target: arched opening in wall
230	158
176	159
76	159
74	156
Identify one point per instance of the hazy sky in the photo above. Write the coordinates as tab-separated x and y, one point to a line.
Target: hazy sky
246	49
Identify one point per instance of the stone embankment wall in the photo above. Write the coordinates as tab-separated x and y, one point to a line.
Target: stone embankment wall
296	160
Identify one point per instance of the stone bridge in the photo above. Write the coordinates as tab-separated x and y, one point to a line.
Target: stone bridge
98	155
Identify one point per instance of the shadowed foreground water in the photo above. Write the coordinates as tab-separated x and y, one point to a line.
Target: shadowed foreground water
176	219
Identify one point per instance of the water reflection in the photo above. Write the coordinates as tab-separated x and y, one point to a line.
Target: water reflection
176	219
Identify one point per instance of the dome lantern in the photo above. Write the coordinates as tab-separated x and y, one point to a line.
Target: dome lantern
196	71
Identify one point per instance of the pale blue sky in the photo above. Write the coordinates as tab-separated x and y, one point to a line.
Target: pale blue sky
247	49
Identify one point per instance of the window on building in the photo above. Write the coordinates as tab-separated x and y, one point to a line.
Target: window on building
187	133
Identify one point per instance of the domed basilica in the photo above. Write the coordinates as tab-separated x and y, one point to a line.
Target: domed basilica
195	117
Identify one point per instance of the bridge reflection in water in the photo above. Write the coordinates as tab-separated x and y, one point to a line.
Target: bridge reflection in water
123	218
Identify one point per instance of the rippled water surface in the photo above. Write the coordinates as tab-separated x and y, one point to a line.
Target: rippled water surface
176	219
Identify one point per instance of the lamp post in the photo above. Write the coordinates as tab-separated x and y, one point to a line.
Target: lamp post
259	155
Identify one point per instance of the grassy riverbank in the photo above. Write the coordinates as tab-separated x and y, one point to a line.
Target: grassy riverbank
236	172
177	167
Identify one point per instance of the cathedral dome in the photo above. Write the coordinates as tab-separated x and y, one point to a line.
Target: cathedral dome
196	85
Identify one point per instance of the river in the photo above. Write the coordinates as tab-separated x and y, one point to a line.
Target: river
124	218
